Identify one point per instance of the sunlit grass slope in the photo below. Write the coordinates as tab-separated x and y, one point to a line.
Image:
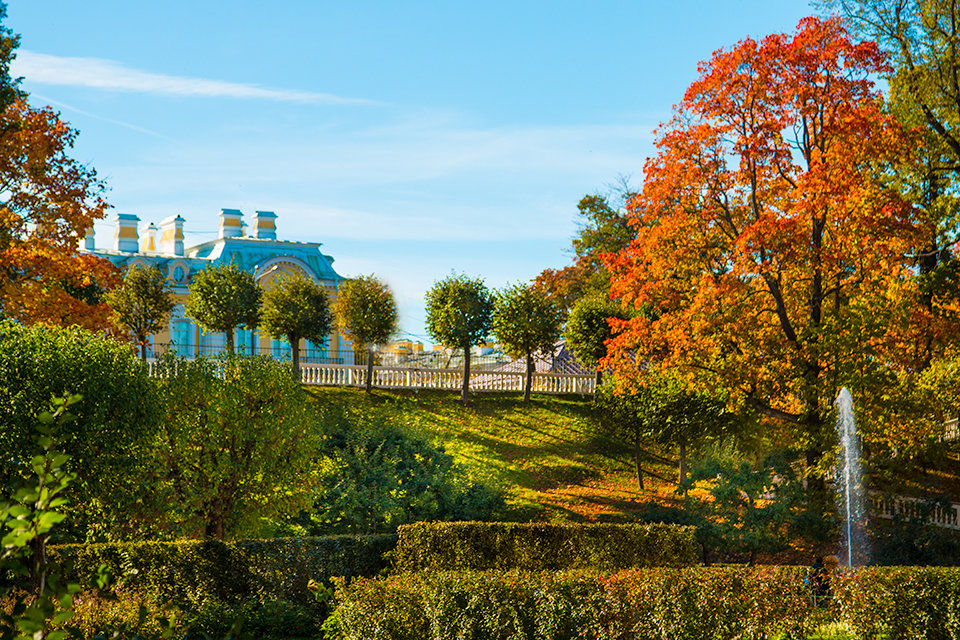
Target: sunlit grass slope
549	456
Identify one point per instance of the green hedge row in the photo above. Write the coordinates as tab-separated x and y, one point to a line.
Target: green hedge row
650	604
636	604
195	571
211	585
901	602
442	546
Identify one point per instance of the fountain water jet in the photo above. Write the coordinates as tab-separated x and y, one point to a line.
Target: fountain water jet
850	491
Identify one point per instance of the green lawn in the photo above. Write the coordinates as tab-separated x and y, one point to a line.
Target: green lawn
549	455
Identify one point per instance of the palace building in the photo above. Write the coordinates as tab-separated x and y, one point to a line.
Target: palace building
255	248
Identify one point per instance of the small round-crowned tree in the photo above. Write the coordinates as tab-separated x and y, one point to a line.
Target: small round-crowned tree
525	321
366	314
223	298
459	311
141	303
296	308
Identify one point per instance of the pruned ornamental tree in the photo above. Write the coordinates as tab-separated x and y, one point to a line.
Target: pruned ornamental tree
366	314
223	298
296	308
588	329
459	313
142	303
48	200
525	322
770	252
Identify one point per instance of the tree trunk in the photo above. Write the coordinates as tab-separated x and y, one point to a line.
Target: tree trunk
682	475
466	375
295	356
229	334
599	378
529	380
214	529
636	455
143	349
370	370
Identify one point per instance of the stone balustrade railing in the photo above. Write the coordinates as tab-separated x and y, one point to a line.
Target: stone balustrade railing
445	379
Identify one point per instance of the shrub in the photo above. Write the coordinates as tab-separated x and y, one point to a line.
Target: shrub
658	603
207	586
374	477
238	442
901	602
116	420
480	546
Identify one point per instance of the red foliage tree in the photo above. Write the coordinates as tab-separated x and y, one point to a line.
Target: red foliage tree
772	254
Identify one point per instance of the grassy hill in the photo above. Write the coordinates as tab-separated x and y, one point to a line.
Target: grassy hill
549	456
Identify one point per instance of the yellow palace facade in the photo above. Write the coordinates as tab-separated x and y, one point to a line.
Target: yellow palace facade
254	247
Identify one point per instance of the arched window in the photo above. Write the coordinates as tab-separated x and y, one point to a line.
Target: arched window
181	333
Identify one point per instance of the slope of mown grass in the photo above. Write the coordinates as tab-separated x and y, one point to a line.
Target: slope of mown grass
548	456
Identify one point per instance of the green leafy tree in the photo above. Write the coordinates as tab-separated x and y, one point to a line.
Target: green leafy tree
296	308
751	507
366	314
142	303
604	228
223	298
237	445
459	314
663	413
587	330
110	441
525	322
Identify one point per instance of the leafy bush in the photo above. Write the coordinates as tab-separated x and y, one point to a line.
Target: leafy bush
439	546
237	445
374	477
901	602
116	419
208	586
660	603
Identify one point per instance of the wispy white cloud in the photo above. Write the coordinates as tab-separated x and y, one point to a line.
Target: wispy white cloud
121	123
109	75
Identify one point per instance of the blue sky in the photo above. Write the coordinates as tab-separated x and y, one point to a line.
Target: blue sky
411	138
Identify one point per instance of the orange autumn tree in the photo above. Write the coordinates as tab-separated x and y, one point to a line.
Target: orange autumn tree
768	248
47	202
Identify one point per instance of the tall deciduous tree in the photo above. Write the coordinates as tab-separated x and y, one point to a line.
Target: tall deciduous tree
223	298
459	314
47	202
142	303
296	308
525	322
769	249
366	314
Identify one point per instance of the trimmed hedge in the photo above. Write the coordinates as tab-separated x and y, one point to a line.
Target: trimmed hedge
480	546
646	604
194	571
211	585
901	602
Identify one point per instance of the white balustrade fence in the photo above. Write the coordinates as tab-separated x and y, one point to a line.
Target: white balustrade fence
352	375
947	517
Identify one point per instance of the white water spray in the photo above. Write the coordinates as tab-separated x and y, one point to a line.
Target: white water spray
850	490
